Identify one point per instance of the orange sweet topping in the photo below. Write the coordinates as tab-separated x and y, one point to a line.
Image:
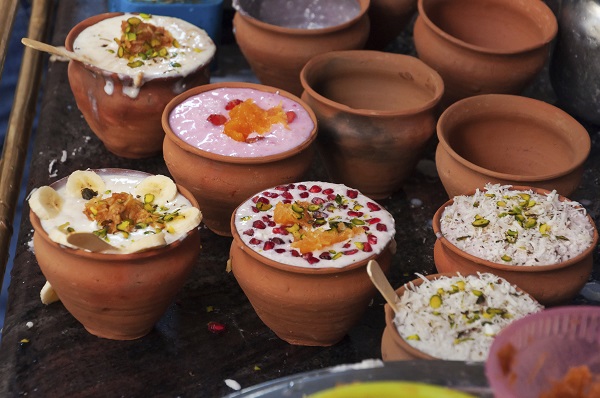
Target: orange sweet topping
247	118
112	211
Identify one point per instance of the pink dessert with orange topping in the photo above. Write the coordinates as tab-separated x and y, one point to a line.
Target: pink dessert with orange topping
241	122
314	224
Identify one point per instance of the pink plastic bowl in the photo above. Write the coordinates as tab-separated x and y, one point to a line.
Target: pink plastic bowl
546	345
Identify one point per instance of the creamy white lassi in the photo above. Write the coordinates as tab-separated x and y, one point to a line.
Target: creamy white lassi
315	224
130	210
265	123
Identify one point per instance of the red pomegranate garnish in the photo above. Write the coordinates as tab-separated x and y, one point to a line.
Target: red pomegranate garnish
317	201
350	252
232	104
291	116
255	241
328	191
312	260
216	327
373	206
304	195
287	195
353	213
268	245
352	194
258	224
302	187
216	119
280	231
277	241
315	189
295	253
381	227
249	232
372	239
367	247
279	251
374	220
325	256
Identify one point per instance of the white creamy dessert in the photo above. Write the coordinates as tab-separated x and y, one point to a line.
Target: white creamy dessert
129	210
513	227
315	225
173	47
457	318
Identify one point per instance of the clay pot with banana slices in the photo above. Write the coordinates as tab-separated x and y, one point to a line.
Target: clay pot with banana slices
115	246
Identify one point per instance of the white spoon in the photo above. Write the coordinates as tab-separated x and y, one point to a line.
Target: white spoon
60	51
383	285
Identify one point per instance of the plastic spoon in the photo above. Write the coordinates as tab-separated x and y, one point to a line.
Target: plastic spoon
383	285
60	51
90	241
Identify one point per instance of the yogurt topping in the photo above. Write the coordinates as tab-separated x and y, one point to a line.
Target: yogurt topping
315	213
170	215
194	123
193	48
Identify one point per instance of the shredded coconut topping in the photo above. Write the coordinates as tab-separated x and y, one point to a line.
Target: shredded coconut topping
515	227
457	318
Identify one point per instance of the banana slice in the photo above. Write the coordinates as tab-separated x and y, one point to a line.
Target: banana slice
186	220
147	242
48	295
45	202
161	188
81	179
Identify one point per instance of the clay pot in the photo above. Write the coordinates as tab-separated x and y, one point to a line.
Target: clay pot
510	140
277	48
548	284
376	113
116	296
488	46
304	306
128	127
388	19
220	183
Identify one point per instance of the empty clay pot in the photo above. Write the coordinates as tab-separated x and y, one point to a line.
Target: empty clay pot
549	284
278	40
388	19
126	120
309	297
510	140
116	296
484	46
376	113
220	182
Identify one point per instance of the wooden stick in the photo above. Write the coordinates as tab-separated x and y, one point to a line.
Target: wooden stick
383	285
60	51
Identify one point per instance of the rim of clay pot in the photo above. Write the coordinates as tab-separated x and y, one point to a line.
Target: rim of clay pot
364	7
548	31
377	60
77	29
237	240
235	159
389	313
512	268
521	105
37	225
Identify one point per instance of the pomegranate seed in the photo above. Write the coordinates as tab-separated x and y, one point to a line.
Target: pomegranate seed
286	201
325	256
381	227
266	218
347	245
255	241
262	199
367	247
331	197
302	187
255	199
271	195
353	213
217	120
287	195
259	224
232	104
255	209
372	239
249	232
280	231
268	245
350	252
294	253
279	251
277	241
328	191
271	224
307	255
291	116
216	327
315	189
318	201
374	220
304	195
352	194
312	260
373	206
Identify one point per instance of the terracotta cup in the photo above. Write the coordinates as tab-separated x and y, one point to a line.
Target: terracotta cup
116	296
376	113
510	140
128	126
220	183
484	46
277	44
304	306
549	284
388	19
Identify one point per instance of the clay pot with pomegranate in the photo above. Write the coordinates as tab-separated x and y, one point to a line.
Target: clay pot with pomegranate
220	180
124	108
278	37
484	46
388	19
309	295
509	139
376	114
114	295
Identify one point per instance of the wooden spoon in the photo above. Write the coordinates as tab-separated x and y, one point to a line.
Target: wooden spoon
383	285
90	241
60	51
